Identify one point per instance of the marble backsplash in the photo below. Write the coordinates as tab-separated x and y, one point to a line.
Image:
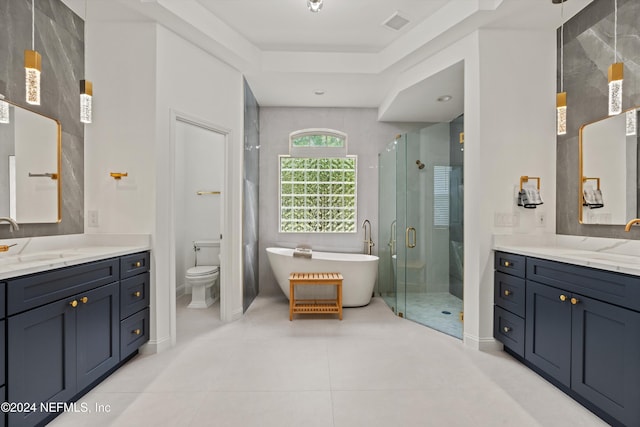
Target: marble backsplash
588	52
59	38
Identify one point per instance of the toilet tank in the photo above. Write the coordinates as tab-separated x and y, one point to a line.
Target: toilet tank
207	252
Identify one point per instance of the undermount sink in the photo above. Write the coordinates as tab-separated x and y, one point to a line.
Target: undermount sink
35	257
608	257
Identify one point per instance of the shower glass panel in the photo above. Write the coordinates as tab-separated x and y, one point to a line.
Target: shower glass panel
421	279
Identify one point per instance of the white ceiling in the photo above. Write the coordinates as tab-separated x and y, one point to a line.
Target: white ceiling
287	53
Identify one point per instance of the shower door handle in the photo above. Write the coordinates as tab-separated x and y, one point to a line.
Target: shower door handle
410	230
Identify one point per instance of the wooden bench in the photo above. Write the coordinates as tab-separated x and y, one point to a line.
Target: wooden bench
310	306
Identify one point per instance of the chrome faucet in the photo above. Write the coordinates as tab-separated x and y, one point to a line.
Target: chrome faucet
368	242
12	223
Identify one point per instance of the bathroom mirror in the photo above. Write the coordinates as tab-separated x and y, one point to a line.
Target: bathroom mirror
30	146
609	169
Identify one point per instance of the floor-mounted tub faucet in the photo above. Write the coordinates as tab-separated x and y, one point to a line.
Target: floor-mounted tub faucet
368	242
12	223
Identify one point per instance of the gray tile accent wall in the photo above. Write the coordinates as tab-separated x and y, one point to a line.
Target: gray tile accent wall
251	196
588	52
59	38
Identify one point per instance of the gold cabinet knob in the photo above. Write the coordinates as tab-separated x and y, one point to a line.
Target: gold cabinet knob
506	329
136	331
507	292
137	294
507	263
138	264
563	298
84	300
73	303
574	301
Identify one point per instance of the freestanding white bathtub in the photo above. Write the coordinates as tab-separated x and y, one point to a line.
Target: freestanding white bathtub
358	270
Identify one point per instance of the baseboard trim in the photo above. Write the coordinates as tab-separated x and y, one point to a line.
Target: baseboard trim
482	344
156	346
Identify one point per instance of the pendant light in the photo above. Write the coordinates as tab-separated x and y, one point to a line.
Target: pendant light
32	65
86	95
632	122
616	71
314	5
561	97
4	110
86	87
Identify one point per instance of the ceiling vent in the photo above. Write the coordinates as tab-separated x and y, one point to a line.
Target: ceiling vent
396	21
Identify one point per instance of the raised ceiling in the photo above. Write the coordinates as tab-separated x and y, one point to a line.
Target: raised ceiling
288	53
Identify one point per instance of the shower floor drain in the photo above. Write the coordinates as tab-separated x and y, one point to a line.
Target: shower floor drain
446	312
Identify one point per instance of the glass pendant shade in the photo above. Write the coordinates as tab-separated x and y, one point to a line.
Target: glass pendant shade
32	68
616	74
314	5
632	122
86	97
4	110
561	113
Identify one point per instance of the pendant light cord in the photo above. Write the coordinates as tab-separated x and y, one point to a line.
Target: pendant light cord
562	47
615	31
33	25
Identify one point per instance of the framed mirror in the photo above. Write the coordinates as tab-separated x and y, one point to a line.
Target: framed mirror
609	170
30	162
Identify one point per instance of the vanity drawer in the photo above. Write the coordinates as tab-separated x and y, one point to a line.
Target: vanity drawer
509	293
3	300
38	289
131	265
2	353
614	288
134	331
509	330
134	294
510	263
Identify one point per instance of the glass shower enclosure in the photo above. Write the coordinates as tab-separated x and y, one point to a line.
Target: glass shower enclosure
420	226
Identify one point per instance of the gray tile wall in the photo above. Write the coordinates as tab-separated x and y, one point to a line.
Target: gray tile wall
59	38
251	196
588	52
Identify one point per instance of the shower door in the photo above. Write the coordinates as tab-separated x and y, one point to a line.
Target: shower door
424	244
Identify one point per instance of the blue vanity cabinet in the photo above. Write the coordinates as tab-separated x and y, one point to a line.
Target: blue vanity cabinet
3	325
582	333
134	302
509	300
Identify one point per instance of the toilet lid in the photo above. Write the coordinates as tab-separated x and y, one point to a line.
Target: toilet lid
202	270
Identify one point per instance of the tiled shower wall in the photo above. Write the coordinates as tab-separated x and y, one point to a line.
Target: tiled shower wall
59	38
588	52
251	196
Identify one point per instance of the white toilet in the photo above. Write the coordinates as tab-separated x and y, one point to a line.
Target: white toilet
203	278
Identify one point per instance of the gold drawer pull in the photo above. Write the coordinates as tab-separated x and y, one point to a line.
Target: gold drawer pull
137	294
136	331
84	300
574	301
506	329
137	264
73	303
507	263
507	292
563	298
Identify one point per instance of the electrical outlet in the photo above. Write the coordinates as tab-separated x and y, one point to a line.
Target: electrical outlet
541	219
93	219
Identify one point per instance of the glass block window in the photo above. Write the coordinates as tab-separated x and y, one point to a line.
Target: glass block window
318	195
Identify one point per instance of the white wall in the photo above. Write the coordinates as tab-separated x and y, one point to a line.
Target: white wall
143	76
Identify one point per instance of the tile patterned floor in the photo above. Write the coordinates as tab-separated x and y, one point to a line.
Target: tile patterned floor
370	369
440	311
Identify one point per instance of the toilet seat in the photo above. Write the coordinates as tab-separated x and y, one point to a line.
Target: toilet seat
202	270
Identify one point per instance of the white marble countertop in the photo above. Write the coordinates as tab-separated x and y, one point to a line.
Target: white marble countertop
606	254
37	254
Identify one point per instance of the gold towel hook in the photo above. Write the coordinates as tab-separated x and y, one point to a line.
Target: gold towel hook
118	175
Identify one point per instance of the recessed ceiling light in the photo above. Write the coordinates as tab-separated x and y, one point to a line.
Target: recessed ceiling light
319	91
444	98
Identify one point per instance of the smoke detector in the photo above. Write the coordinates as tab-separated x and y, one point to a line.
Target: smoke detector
396	21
